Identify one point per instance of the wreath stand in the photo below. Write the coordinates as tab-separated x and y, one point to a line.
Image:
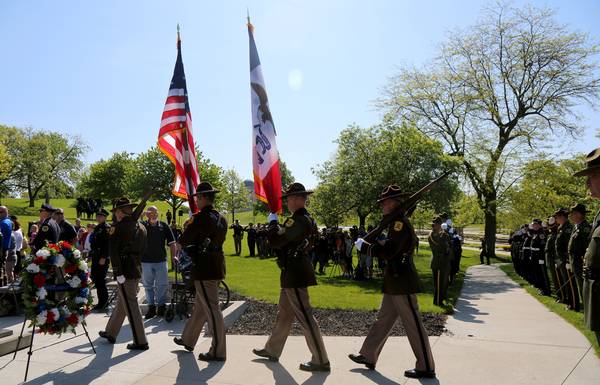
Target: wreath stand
31	350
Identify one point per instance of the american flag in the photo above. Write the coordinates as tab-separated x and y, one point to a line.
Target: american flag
175	137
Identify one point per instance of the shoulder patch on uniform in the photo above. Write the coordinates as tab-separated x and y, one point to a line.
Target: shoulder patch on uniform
45	228
398	225
542	236
111	230
289	222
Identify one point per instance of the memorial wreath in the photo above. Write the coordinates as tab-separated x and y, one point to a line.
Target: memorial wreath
56	288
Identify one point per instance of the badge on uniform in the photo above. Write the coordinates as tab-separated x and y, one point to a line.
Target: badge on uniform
289	222
398	225
111	231
45	228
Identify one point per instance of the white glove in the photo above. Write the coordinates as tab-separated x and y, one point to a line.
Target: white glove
272	217
359	242
121	279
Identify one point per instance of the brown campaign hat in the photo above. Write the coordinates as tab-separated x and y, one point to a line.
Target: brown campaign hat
561	211
205	188
580	208
295	189
592	163
391	192
122	203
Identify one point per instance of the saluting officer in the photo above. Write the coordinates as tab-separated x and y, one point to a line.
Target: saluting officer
580	239
127	241
439	242
563	236
591	261
49	231
99	253
203	239
400	285
292	242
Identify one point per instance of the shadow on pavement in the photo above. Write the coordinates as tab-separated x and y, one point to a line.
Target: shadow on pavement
190	372
283	377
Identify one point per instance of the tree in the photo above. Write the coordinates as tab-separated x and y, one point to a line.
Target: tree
45	161
235	196
367	160
547	185
109	179
503	85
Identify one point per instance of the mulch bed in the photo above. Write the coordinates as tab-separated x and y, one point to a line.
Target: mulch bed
259	318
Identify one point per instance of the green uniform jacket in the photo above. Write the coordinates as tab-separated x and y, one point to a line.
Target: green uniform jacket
591	283
292	242
439	242
550	250
400	276
563	235
208	262
127	242
580	239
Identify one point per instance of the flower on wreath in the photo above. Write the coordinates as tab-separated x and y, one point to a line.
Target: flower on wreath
83	265
54	247
43	253
65	245
77	254
59	260
52	315
73	319
74	282
33	268
39	280
41	317
41	294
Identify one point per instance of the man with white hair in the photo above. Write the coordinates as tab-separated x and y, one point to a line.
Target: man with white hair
154	262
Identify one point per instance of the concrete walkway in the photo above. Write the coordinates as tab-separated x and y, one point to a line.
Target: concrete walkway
498	335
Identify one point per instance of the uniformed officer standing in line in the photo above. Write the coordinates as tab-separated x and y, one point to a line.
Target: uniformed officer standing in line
203	240
49	230
439	242
516	244
251	239
550	255
563	235
580	239
127	241
238	235
400	285
591	260
99	254
525	261
292	243
538	261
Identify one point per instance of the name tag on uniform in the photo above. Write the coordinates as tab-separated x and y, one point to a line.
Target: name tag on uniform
541	262
398	225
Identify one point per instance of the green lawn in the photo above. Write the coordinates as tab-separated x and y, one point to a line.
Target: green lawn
574	318
259	279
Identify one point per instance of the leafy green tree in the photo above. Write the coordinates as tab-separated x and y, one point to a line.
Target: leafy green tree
235	196
45	161
109	179
547	185
496	90
367	160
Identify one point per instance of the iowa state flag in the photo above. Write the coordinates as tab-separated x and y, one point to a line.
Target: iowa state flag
265	158
175	138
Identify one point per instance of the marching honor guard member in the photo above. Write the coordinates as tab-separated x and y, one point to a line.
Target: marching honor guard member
127	241
400	285
203	239
292	244
591	260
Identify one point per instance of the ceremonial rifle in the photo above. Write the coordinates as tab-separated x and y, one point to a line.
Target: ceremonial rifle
406	207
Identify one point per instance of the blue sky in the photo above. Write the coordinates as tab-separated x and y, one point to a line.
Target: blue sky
102	69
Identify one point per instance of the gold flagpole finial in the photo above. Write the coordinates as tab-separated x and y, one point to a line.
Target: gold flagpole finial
250	26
